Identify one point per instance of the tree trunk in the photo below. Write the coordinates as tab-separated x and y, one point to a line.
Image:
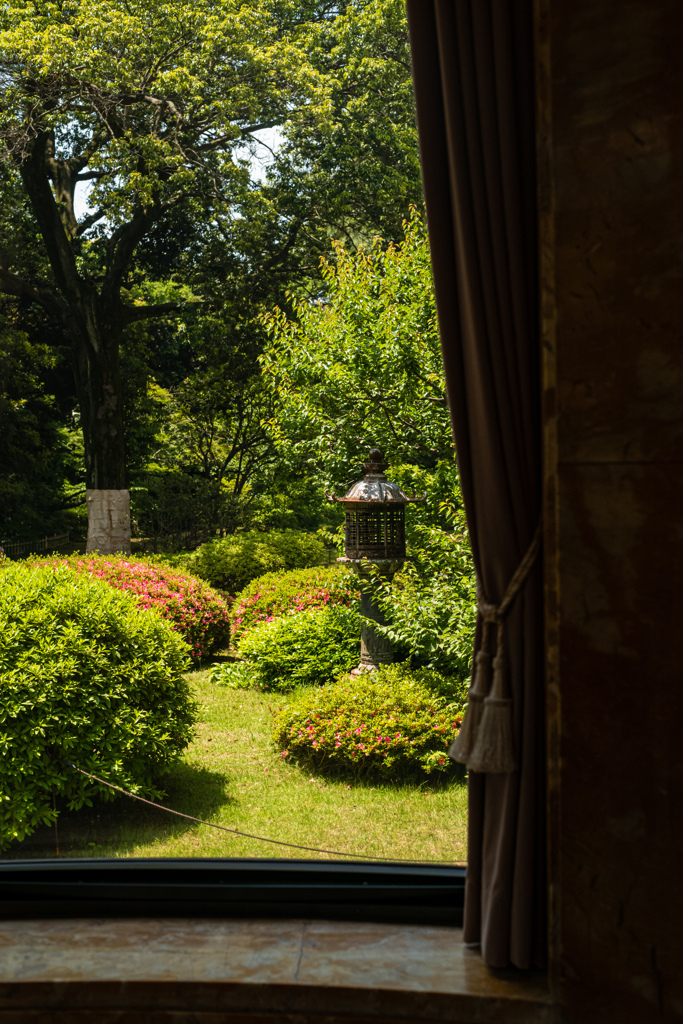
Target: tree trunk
98	383
95	325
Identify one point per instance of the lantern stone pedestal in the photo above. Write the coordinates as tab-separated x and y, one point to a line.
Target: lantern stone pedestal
375	649
375	535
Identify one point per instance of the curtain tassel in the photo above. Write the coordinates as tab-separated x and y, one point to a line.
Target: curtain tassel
485	742
464	742
493	750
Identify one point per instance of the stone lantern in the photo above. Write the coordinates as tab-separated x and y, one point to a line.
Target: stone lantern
375	535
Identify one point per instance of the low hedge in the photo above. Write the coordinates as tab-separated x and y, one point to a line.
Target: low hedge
86	677
197	612
389	724
308	648
283	593
230	563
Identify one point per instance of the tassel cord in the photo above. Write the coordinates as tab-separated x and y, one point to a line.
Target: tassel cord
485	742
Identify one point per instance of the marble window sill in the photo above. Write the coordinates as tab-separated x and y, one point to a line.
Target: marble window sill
172	971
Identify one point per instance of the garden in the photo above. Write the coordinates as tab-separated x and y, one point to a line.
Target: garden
239	711
216	680
258	328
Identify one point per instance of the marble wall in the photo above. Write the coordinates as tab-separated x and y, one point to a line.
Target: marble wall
610	76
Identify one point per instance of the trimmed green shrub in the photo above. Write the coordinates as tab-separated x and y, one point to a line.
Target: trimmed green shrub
310	647
87	677
389	724
196	611
276	594
231	562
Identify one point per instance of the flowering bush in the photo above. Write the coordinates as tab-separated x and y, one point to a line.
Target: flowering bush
285	593
309	647
388	724
88	678
196	611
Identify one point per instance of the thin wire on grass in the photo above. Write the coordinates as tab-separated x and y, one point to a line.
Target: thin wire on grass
250	835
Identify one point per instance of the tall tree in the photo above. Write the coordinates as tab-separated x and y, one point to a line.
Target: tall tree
363	368
353	173
148	104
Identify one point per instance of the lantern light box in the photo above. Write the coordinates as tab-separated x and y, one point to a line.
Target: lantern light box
375	535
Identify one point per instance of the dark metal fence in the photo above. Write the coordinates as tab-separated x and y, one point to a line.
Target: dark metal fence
15	549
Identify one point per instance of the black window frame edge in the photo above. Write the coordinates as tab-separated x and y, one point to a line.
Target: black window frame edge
185	887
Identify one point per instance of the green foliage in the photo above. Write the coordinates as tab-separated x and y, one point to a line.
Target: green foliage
276	594
353	172
177	83
209	438
86	677
236	675
310	647
365	368
40	451
362	368
262	794
389	724
229	563
431	602
152	105
283	498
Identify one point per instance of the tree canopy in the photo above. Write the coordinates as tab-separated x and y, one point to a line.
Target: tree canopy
148	104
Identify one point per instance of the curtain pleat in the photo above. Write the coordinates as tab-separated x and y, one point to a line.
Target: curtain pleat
473	76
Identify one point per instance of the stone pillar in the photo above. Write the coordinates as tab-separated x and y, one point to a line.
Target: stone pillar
375	650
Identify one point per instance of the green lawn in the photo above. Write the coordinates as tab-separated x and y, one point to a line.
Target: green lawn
232	776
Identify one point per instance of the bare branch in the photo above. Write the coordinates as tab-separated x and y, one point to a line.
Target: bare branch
123	241
259	127
206	147
154	101
47	214
10	284
91	175
135	313
264	144
81	160
88	222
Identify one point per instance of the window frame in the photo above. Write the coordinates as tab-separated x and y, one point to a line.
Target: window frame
232	888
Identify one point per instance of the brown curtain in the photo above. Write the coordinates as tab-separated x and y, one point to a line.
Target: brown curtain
473	74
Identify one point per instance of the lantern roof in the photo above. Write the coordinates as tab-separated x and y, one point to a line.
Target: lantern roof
374	487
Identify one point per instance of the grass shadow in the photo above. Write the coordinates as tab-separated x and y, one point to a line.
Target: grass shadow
118	827
433	782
